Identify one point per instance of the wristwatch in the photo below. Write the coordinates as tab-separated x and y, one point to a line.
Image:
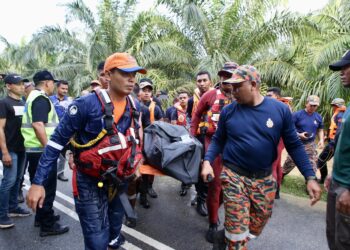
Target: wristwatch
313	177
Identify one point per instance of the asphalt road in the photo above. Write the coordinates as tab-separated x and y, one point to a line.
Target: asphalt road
171	223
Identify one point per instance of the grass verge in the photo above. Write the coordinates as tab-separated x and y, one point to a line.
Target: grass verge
295	185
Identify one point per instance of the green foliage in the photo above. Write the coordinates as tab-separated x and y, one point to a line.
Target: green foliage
291	51
295	185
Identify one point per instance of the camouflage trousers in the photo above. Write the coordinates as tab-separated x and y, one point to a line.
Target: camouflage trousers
248	206
310	149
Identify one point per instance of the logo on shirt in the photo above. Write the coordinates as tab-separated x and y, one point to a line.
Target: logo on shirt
315	122
73	110
269	123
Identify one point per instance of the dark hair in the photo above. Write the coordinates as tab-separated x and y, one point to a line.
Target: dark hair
136	89
146	80
204	72
182	91
60	82
101	66
275	90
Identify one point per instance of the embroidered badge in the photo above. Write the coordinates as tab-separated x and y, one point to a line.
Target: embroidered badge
73	110
269	123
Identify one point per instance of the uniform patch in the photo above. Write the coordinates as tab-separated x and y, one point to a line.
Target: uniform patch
73	110
269	123
181	118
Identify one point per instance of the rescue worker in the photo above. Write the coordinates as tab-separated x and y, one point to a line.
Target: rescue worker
169	111
339	108
247	136
308	124
209	108
338	184
145	95
179	115
107	152
204	84
61	102
38	123
101	74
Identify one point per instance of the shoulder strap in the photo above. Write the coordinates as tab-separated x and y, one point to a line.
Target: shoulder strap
134	112
107	108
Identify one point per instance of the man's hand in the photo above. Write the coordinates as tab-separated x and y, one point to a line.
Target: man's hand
6	160
303	136
35	197
314	191
327	182
343	203
206	170
71	163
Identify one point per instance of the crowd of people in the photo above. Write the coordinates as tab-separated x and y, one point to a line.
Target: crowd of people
100	133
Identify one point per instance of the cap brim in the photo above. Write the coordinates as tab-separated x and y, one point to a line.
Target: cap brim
314	103
233	81
146	85
337	66
135	69
224	72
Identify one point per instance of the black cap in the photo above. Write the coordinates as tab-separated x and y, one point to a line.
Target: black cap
14	79
43	76
146	80
344	61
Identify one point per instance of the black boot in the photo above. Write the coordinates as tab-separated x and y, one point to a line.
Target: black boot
213	228
277	195
219	240
56	217
201	207
130	222
144	201
151	192
55	229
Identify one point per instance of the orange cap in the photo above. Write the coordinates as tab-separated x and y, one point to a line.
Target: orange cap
123	61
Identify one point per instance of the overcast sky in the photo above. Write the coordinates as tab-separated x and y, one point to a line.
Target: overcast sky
21	18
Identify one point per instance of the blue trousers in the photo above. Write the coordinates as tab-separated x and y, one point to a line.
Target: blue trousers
10	183
101	221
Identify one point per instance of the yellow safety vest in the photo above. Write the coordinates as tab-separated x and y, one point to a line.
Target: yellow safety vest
31	142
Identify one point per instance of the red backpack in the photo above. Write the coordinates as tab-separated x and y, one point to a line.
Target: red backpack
111	154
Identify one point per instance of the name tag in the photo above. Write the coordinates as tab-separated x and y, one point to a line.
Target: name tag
19	110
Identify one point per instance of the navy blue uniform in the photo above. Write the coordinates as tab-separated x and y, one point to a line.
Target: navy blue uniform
101	221
248	137
309	123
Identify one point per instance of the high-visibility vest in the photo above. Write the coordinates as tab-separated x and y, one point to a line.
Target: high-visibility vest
31	142
151	109
333	127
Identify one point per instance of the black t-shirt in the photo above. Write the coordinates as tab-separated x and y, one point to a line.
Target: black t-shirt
12	110
40	109
158	114
145	118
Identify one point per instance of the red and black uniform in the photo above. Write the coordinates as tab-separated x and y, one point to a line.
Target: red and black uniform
205	120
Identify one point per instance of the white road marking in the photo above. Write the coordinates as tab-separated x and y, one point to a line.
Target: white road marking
132	232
